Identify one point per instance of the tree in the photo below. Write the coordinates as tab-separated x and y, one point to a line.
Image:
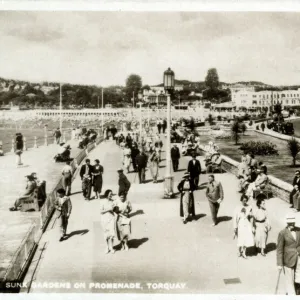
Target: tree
263	126
133	85
243	128
278	109
294	148
212	79
235	131
210	119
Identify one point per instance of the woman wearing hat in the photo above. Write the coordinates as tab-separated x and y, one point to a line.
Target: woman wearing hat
243	226
187	205
30	187
154	164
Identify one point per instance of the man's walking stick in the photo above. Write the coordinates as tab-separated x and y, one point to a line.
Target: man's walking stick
277	284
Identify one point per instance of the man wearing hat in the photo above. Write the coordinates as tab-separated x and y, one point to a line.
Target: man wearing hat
141	163
86	178
296	182
288	249
194	168
124	183
175	156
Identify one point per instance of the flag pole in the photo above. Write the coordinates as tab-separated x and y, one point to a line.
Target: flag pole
102	111
60	108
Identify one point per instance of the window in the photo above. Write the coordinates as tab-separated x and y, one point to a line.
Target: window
287	101
254	96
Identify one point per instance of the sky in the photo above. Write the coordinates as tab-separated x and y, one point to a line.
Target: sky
104	48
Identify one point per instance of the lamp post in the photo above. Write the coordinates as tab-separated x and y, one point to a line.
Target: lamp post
140	96
169	82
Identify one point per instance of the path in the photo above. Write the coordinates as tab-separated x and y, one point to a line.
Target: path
162	248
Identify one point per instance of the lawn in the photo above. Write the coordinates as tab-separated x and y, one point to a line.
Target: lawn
278	166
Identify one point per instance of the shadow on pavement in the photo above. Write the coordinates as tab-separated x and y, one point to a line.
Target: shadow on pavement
181	170
270	247
75	193
136	213
135	243
224	219
197	217
162	167
77	232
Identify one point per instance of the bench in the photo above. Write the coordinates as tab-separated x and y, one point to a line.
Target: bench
36	200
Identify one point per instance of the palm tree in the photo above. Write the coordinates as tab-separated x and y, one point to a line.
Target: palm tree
294	148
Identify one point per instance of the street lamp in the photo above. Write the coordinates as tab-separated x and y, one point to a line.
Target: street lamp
169	82
140	97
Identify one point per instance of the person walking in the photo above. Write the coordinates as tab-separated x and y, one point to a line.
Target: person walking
126	158
288	249
187	203
97	178
67	173
122	208
194	168
63	207
243	226
154	164
57	135
261	225
175	156
86	173
124	183
215	195
108	220
141	163
164	125
158	126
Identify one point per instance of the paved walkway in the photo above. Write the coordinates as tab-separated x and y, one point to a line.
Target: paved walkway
15	225
162	249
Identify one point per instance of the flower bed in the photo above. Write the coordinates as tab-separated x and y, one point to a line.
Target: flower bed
260	148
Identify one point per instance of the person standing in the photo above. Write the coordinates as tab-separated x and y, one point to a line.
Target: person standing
108	220
124	183
164	125
154	164
194	168
187	203
86	173
158	126
122	208
97	178
262	226
296	182
57	135
67	173
175	156
134	152
63	208
243	226
288	249
126	158
215	195
141	162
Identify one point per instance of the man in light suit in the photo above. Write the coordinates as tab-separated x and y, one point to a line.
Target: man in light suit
194	168
288	249
215	195
259	183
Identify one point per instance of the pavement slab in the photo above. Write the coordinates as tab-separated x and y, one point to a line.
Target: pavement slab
162	248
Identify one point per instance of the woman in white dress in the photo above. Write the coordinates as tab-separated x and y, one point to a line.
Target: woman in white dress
122	209
262	226
126	158
243	226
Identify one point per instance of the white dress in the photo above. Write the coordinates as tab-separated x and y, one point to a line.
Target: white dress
242	222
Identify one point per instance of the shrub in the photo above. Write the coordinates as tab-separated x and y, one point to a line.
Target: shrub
260	148
250	123
257	127
223	136
219	118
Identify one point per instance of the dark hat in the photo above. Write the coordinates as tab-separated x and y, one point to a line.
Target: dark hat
186	176
120	170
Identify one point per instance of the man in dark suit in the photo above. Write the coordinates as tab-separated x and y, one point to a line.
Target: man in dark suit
175	155
134	152
296	181
141	163
194	168
124	183
86	178
288	249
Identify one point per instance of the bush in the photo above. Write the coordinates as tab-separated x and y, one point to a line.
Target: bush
219	118
250	123
260	148
224	136
257	127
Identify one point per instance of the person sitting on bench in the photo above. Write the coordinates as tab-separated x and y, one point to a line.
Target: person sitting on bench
216	162
259	183
30	187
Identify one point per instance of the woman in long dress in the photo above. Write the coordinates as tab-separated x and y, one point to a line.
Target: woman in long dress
187	205
123	208
243	226
262	226
97	180
126	158
108	220
154	165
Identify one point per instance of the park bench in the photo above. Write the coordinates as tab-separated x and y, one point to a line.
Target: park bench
36	200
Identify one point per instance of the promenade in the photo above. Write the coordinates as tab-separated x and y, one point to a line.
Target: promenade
15	225
162	249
